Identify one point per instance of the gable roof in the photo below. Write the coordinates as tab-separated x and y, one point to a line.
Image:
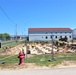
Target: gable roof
48	29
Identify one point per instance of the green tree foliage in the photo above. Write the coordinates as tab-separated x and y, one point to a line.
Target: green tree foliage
5	36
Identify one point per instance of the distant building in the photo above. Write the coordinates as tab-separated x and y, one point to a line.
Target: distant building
13	37
74	33
45	34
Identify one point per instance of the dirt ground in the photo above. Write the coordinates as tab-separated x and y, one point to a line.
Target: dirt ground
11	50
15	50
64	64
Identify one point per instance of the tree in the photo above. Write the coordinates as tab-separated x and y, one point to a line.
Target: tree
1	36
5	36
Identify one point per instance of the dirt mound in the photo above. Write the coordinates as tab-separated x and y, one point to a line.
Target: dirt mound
13	50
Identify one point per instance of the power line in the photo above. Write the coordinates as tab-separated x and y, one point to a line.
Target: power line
9	19
6	14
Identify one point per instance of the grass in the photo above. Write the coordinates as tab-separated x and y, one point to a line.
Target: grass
3	43
9	59
41	60
10	44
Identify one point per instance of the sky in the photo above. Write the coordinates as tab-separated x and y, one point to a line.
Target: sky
36	14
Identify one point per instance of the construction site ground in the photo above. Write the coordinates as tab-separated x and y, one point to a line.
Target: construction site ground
15	51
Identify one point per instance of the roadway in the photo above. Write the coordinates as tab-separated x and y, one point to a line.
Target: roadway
61	71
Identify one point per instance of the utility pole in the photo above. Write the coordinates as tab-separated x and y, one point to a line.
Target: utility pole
16	33
52	49
52	56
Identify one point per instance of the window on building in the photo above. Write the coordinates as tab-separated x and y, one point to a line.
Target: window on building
60	37
46	37
56	37
51	37
69	36
56	32
46	32
65	36
65	32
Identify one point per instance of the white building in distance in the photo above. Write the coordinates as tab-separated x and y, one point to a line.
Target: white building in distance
74	33
45	34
